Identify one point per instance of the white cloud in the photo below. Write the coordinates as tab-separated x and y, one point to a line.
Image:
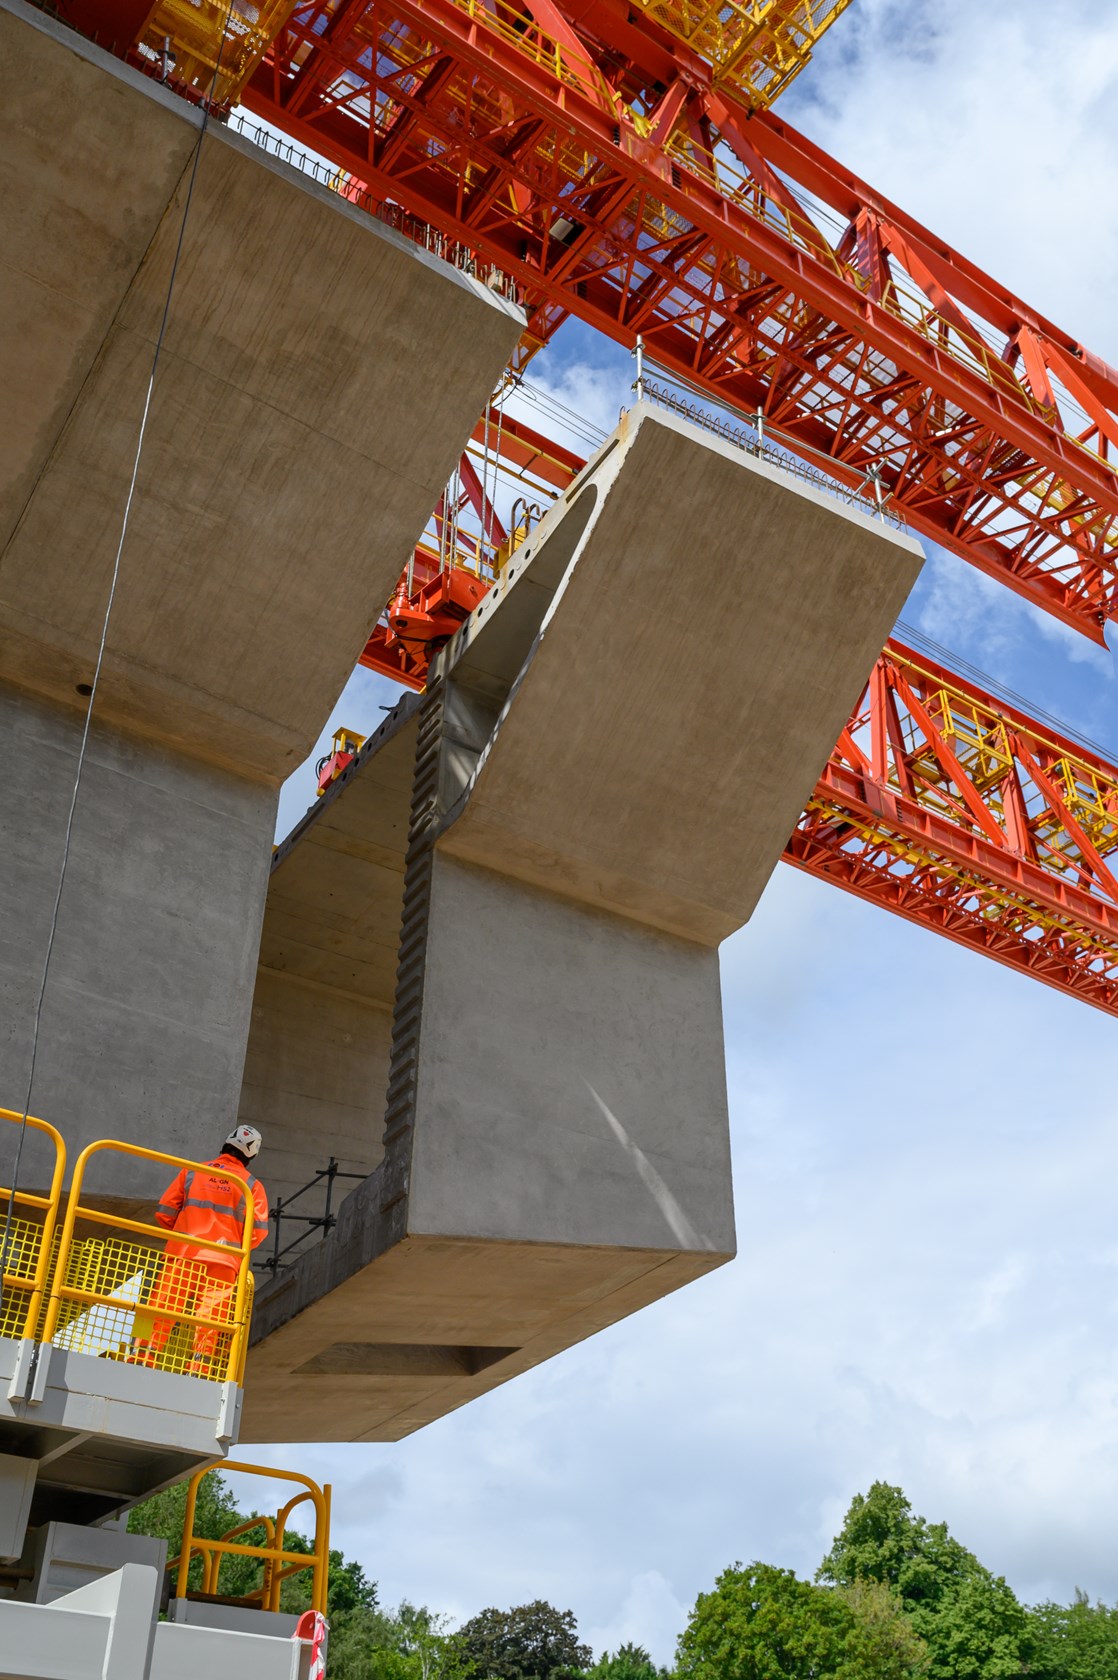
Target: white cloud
996	127
651	1615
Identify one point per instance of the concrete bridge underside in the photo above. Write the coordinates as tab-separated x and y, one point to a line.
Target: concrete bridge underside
318	379
548	849
488	974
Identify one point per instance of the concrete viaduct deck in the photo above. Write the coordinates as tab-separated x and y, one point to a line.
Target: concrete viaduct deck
487	979
547	849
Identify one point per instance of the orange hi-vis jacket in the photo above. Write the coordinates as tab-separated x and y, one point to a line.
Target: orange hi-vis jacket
202	1205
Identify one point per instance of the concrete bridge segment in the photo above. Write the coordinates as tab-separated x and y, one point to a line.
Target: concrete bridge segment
319	377
608	760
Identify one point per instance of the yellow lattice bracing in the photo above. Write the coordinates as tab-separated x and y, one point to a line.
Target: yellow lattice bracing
755	47
214	47
976	735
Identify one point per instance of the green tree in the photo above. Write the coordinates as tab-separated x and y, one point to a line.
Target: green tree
1077	1641
763	1623
435	1652
882	1643
972	1623
215	1513
529	1642
411	1643
629	1662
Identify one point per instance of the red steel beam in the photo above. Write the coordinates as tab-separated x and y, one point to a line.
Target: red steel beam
1025	875
600	166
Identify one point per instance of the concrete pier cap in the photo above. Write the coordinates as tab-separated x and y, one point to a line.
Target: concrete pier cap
608	760
319	377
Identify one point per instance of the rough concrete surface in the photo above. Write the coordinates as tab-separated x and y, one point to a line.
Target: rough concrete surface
317	1064
318	377
147	1005
691	675
605	778
572	1085
433	1324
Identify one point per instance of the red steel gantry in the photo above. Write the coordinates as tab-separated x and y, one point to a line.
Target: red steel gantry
619	177
617	159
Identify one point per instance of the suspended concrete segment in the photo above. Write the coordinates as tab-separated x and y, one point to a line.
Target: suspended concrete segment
318	379
609	758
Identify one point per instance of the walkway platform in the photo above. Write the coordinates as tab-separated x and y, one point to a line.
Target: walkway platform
102	1435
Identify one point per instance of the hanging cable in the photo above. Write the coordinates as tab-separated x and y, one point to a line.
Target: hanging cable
485	478
5	1243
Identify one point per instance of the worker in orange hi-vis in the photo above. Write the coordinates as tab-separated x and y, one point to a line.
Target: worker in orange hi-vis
196	1279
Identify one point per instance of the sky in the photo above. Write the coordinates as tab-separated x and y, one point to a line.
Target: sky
925	1154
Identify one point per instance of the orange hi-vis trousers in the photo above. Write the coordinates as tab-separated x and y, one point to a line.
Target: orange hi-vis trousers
188	1286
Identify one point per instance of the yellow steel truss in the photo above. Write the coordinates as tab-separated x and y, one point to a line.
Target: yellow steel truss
215	46
755	47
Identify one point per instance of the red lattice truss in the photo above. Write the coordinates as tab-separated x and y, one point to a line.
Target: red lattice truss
596	160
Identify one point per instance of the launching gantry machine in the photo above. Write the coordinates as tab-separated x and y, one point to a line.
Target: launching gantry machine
480	977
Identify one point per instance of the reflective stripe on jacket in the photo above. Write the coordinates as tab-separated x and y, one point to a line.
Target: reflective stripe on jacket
200	1204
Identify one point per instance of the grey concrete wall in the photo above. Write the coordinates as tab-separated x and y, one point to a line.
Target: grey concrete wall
317	1064
318	378
572	1083
314	1082
710	623
150	989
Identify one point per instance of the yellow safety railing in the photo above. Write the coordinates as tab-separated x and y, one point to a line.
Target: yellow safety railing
126	1297
210	46
279	1564
27	1238
755	47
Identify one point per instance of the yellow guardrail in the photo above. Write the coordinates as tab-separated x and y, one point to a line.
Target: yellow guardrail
93	1281
279	1564
28	1242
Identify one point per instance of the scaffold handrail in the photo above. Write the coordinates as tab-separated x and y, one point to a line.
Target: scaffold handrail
91	1280
28	1243
137	1302
280	1564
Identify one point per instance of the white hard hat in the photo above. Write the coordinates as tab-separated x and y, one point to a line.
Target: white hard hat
247	1139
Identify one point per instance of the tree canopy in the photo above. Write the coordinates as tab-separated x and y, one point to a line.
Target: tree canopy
971	1621
1077	1641
895	1598
764	1623
628	1662
530	1642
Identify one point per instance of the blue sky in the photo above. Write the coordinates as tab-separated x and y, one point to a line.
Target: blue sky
925	1152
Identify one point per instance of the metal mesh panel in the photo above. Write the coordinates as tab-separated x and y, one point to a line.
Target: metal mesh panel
125	1300
25	1241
